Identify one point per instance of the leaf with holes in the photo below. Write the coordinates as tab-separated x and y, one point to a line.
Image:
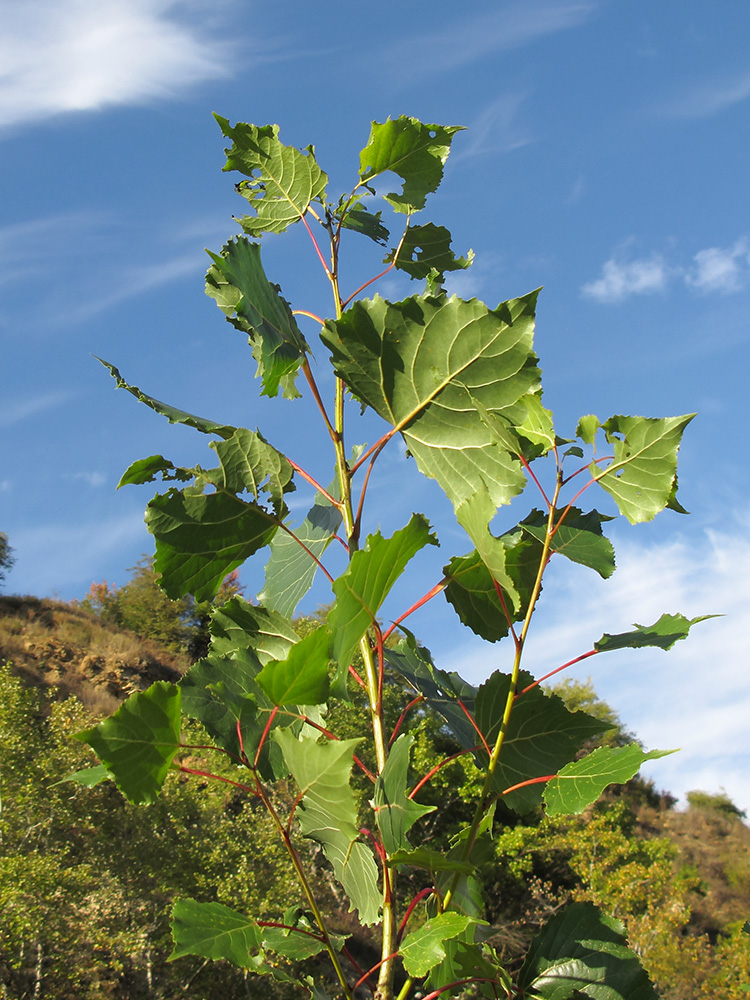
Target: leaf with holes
426	248
664	633
282	181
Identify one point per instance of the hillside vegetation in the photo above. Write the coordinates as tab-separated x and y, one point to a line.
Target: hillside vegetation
86	880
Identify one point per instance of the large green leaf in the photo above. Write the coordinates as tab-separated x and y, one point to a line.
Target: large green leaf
423	948
214	931
222	689
283	181
664	633
138	743
581	782
541	737
395	812
238	283
641	476
290	571
580	952
444	692
422	364
579	538
250	464
200	538
366	582
411	149
173	415
301	678
472	592
427	248
328	814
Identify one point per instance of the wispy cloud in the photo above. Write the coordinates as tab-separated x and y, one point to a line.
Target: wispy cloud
16	411
497	129
709	98
621	279
470	38
716	269
695	696
71	55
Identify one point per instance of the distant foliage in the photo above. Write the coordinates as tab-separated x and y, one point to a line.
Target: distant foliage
718	803
6	556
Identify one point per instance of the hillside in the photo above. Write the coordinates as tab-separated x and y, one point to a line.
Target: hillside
678	879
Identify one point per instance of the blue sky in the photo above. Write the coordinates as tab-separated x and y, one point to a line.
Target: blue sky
606	159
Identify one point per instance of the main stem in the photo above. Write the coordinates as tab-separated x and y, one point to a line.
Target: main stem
384	989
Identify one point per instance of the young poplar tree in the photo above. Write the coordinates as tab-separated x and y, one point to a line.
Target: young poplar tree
458	381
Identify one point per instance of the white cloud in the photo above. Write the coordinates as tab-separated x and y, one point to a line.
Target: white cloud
496	130
707	99
695	696
621	279
714	269
720	269
72	55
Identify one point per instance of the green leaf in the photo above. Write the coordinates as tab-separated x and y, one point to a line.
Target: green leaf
587	428
290	571
664	633
173	415
641	476
145	470
432	861
328	814
366	582
222	689
238	283
89	777
472	592
581	782
424	948
444	692
283	181
426	248
579	538
302	678
422	364
582	952
199	539
360	219
214	931
137	744
395	812
541	737
414	151
249	463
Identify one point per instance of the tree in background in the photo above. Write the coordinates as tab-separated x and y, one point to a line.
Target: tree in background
6	556
140	606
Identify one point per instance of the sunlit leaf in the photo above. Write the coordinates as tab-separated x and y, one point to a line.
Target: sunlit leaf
145	470
426	248
138	743
542	736
664	633
579	538
212	930
250	464
282	181
582	952
581	782
395	812
173	415
290	571
327	814
365	584
411	149
89	777
423	948
301	678
641	476
202	538
238	283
